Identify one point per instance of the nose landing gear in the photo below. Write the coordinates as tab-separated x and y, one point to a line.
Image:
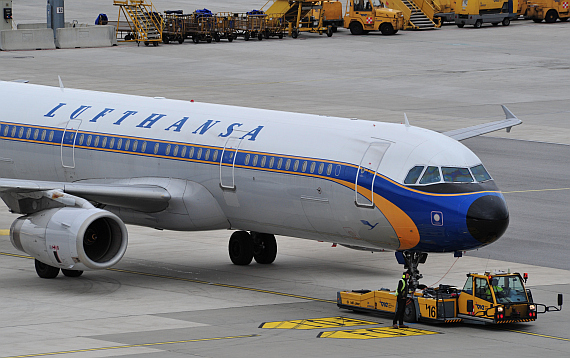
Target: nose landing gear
411	260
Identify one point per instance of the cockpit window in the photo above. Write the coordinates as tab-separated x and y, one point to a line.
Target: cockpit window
480	173
413	174
431	175
456	175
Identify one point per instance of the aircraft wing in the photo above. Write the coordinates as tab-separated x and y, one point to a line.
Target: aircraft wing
474	131
140	197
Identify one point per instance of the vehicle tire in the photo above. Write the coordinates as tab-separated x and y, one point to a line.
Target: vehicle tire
538	21
329	31
563	19
266	34
181	40
395	32
295	33
356	28
495	24
386	28
478	24
246	36
506	21
280	36
264	248
72	273
128	37
230	37
155	43
146	43
260	36
334	28
196	39
165	39
45	270
460	25
216	37
241	248
551	16
410	311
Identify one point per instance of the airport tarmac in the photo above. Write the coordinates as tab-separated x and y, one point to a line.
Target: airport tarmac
176	294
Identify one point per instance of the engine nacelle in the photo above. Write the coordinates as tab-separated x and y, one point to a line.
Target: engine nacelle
71	238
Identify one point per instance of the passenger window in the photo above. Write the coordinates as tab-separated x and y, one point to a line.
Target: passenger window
296	165
143	148
456	175
6	130
127	144
246	161
321	168
104	144
287	164
263	159
183	154
207	155
135	145
215	156
271	161
119	143
175	152
279	163
112	143
480	173
431	175
199	153
28	133
414	174
304	167
167	152
254	163
313	165
156	148
43	134
191	154
36	133
329	169
96	144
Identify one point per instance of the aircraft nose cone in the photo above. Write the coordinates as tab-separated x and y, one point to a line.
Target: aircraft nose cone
487	218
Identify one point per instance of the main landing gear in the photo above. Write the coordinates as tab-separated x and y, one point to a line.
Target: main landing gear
245	247
47	271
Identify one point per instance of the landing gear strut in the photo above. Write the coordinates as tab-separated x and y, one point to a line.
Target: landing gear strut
411	260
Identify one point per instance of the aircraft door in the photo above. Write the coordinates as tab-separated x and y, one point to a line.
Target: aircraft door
227	163
68	143
366	174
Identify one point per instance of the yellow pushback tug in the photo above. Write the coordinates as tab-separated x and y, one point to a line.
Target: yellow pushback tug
494	298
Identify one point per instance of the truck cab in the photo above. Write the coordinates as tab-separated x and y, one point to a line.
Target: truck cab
495	298
363	16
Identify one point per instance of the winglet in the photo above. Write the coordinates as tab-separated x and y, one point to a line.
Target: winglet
508	113
60	83
406	122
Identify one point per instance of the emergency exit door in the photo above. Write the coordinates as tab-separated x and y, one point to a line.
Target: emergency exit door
227	163
68	143
366	174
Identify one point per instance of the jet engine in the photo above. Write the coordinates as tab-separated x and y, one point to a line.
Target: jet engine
71	238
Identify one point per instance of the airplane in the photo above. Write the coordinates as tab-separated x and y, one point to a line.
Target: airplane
79	165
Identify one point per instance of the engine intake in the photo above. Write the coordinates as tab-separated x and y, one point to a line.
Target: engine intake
71	238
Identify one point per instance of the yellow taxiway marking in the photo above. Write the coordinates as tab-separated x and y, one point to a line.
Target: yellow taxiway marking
132	346
4	232
201	282
373	333
314	323
539	335
533	190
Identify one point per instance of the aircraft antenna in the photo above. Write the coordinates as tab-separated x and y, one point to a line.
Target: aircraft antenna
60	83
406	122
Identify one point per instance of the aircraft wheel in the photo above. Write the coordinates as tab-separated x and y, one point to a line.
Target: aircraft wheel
478	24
241	248
506	21
460	25
45	270
410	311
551	16
72	273
264	248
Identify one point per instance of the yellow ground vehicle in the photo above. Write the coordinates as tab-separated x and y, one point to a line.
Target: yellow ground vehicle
487	299
548	10
361	17
332	14
477	12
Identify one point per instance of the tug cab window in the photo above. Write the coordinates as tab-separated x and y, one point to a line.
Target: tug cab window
509	289
414	174
480	173
456	175
431	175
482	289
